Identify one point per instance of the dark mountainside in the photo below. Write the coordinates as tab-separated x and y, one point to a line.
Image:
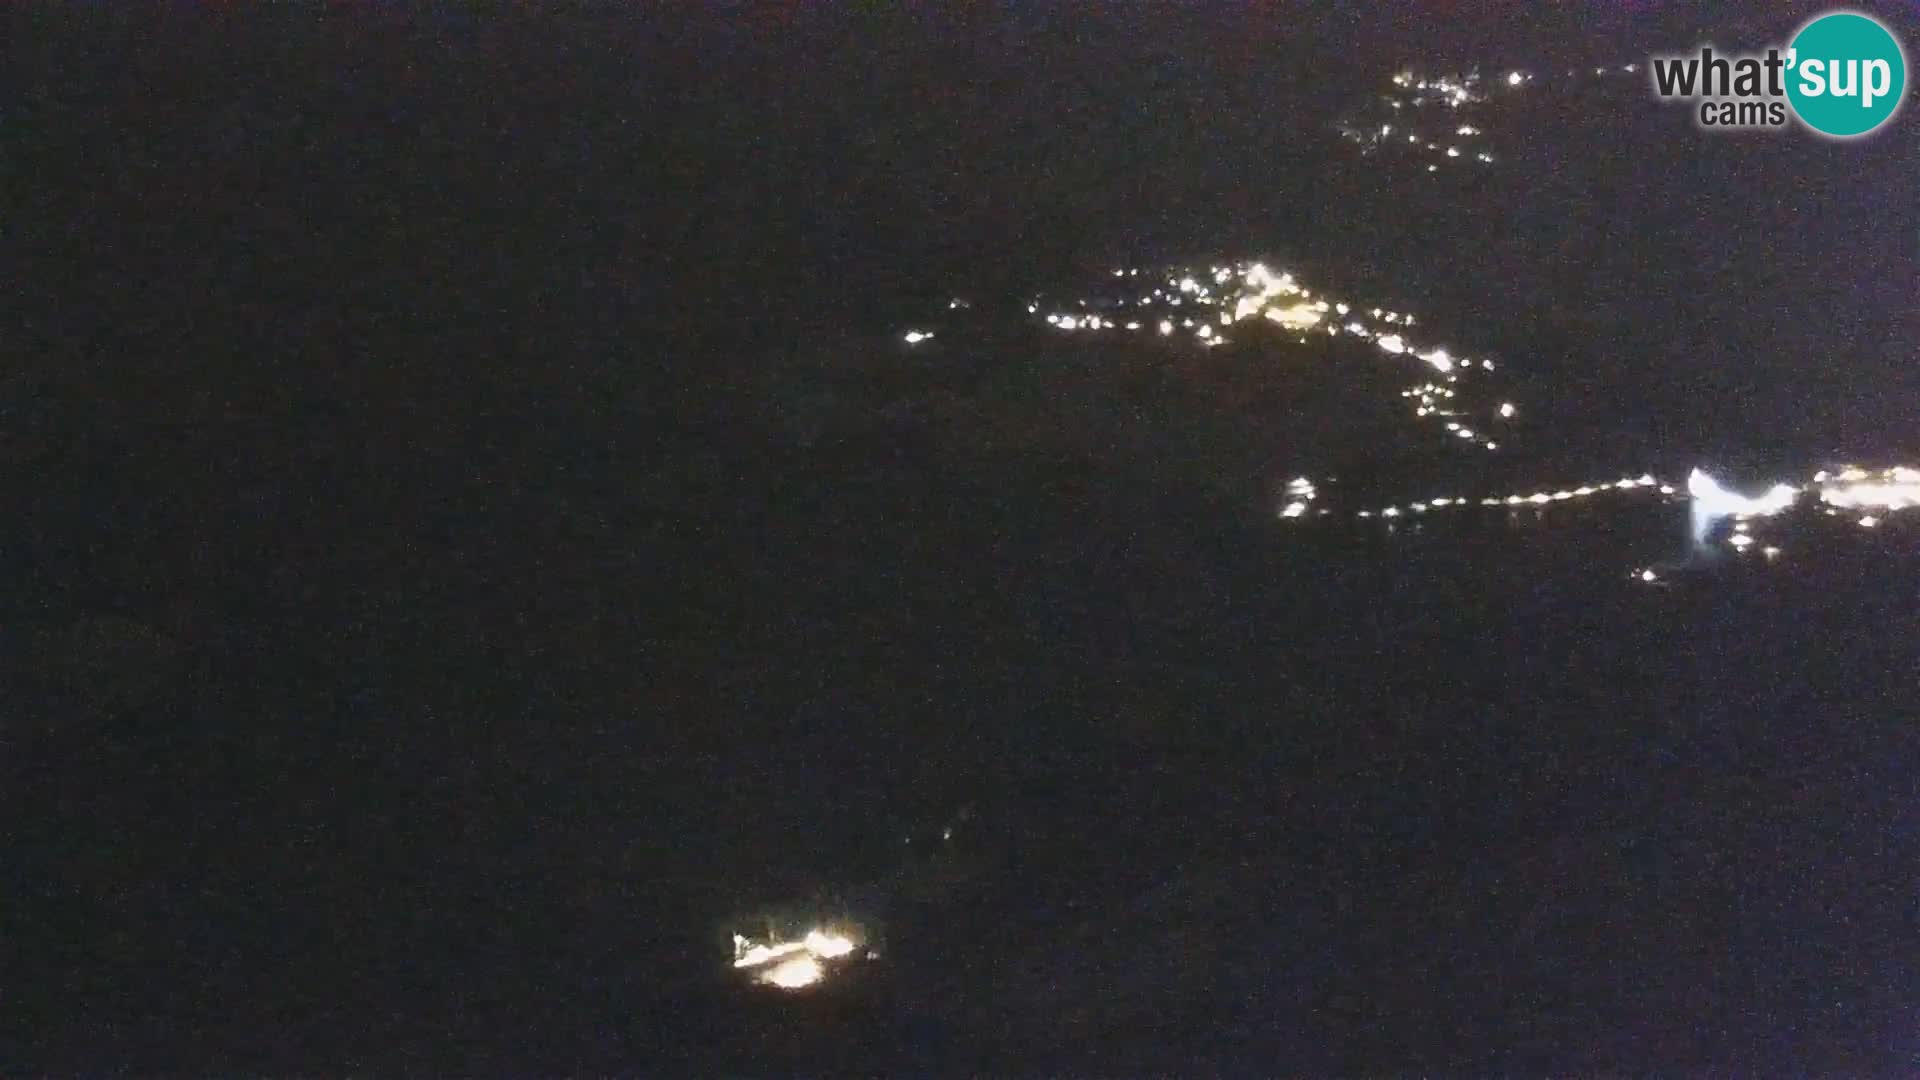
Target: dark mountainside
475	534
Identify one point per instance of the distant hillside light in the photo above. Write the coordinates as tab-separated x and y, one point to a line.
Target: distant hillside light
915	337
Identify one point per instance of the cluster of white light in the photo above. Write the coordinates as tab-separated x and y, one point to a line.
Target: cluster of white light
791	965
1399	126
1441	136
915	337
1854	488
1713	503
1300	496
1223	296
1213	299
1643	484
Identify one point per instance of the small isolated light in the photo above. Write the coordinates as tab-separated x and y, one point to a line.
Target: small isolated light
1294	510
1771	553
1165	328
915	337
1506	409
1453	151
1631	68
1649	576
1741	541
1514	78
1493	446
1869	522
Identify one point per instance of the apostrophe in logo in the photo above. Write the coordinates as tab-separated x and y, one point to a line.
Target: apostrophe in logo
1846	75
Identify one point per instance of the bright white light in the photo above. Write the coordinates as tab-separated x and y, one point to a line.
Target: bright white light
1439	359
1649	576
1467	129
1740	540
1515	78
828	946
1869	521
1165	328
793	974
1294	510
1453	151
791	965
1711	502
1895	489
915	337
1298	317
1392	343
1506	409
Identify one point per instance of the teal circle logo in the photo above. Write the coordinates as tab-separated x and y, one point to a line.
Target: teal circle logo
1846	75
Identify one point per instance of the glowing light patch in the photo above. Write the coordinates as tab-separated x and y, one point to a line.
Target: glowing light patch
1713	503
915	337
1298	317
1894	489
792	965
1506	410
801	971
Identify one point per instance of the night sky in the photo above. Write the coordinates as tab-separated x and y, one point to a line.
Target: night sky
477	540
